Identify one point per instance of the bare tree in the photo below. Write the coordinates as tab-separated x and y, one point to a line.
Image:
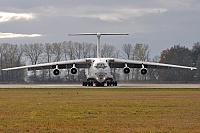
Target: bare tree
107	50
154	73
140	52
34	53
87	50
57	51
69	50
65	49
127	50
11	57
48	53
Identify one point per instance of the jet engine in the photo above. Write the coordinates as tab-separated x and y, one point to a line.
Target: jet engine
73	70
56	71
143	71
126	70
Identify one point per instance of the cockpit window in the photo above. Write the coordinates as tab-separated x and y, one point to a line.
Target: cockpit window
100	65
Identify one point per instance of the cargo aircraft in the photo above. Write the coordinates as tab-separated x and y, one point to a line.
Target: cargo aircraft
99	68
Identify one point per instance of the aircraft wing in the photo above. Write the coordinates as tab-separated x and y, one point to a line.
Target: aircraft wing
81	63
120	63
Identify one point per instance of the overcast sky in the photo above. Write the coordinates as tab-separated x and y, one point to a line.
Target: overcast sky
159	23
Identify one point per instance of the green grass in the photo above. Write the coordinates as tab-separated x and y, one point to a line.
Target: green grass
100	110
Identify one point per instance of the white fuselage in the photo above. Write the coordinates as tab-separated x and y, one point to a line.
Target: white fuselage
100	71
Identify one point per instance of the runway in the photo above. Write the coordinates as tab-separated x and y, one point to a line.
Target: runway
119	86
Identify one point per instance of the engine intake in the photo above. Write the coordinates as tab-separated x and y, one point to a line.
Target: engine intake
73	70
56	71
143	71
126	70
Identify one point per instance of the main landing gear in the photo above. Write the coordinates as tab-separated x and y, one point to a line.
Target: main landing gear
111	83
87	83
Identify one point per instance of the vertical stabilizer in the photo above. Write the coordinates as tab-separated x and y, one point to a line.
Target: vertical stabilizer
98	39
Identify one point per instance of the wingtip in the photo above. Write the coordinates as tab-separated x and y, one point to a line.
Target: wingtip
193	68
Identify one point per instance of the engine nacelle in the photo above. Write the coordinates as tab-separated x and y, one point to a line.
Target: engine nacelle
126	70
143	71
73	70
56	71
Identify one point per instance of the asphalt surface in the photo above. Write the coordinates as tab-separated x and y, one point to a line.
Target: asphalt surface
119	86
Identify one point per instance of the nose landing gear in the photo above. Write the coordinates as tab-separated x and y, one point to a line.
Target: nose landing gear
90	83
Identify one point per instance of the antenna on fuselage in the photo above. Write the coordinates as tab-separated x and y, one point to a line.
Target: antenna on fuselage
98	39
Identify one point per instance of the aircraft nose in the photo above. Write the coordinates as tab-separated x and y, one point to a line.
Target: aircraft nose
101	75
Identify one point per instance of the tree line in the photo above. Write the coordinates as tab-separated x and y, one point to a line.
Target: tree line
12	55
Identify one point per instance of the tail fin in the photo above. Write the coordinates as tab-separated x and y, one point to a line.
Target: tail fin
98	38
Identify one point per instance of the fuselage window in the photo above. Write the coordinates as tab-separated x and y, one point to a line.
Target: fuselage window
100	65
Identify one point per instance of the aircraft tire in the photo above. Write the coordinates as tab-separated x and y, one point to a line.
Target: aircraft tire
90	83
115	83
84	84
109	83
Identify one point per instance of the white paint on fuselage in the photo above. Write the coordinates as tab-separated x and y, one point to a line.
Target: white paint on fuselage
100	70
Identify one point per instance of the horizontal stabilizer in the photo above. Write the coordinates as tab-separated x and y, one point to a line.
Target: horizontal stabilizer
82	34
98	38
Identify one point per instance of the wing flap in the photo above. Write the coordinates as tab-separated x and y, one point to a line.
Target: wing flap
81	63
120	63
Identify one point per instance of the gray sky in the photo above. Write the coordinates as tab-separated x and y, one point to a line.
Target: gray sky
159	23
